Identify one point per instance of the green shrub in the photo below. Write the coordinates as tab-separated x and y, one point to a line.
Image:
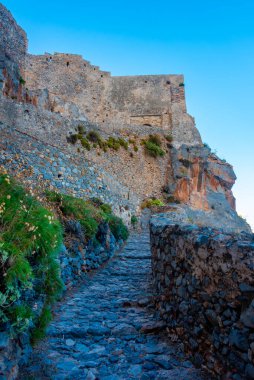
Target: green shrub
41	324
181	84
22	81
118	228
81	129
153	146
153	150
93	136
123	143
149	203
107	209
134	220
90	213
30	238
85	143
113	143
76	208
169	138
22	317
135	148
155	139
72	138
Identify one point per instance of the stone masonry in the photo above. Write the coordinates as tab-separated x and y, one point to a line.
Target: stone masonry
47	167
108	329
205	292
49	96
78	89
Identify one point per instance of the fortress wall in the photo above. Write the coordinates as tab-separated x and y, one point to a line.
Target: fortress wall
142	175
42	166
70	80
78	89
141	99
148	96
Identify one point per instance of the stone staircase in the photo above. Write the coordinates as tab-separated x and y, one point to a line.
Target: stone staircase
107	328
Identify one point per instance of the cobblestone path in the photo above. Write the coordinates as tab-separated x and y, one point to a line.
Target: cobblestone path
106	328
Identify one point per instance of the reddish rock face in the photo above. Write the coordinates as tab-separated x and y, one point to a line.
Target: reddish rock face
201	179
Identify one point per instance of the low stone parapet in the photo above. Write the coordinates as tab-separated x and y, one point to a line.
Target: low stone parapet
204	280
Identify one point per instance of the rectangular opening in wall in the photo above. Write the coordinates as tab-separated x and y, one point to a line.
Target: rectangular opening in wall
147	120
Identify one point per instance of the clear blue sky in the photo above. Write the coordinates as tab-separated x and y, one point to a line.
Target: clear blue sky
211	42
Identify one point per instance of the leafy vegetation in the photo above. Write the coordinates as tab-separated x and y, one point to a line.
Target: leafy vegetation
22	81
72	139
155	139
90	213
118	228
134	220
30	238
93	136
85	143
152	202
153	146
96	140
153	150
169	138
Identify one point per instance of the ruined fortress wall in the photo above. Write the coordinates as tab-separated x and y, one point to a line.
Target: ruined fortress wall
13	39
76	88
79	89
147	94
147	99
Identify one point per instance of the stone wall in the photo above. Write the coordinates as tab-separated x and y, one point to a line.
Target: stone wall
80	90
42	166
204	281
75	261
76	88
191	174
146	98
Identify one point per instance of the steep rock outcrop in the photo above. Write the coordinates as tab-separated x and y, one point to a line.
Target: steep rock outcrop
13	49
201	179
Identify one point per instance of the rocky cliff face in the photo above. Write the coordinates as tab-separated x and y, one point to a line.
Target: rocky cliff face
201	179
13	49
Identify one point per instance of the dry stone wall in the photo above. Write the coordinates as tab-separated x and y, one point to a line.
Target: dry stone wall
204	280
